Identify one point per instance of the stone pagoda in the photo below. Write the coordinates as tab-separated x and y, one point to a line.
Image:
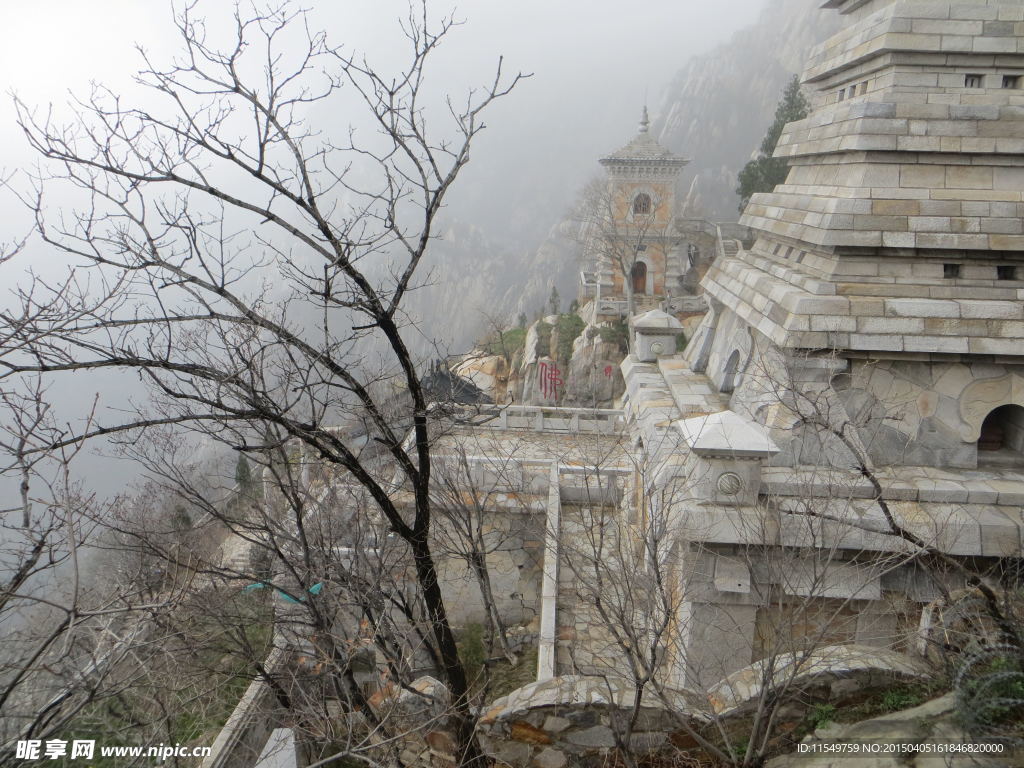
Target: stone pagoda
632	244
874	333
888	271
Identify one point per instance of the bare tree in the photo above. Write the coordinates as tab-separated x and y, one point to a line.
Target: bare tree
641	572
70	642
258	262
295	587
615	237
63	637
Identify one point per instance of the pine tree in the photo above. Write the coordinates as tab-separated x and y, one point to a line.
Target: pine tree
554	301
763	172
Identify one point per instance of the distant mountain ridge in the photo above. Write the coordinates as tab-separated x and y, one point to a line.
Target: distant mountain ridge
715	111
718	106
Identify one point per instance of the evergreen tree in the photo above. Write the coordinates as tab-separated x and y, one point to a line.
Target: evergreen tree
243	475
763	172
521	320
554	301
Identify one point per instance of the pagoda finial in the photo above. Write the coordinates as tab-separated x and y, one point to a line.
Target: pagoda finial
644	121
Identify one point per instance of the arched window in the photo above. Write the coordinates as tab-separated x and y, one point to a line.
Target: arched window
642	204
638	275
1002	436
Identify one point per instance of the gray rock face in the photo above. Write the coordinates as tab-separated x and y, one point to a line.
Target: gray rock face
550	758
598	736
512	752
719	106
556	724
594	375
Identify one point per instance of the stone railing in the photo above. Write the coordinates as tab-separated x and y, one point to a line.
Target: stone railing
488	474
675	305
552	419
693	226
611	307
241	740
734	231
719	243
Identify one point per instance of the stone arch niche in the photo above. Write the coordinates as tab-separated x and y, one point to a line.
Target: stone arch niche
638	278
980	398
729	373
1001	439
993	414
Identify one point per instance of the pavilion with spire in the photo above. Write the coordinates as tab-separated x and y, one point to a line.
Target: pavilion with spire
632	246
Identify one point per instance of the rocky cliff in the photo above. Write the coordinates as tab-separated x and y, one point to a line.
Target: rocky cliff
719	105
715	111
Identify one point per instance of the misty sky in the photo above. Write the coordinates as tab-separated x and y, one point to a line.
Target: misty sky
593	62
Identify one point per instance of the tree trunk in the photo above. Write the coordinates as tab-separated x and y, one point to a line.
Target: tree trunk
426	573
498	633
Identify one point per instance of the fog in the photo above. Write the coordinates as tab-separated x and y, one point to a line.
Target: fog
593	66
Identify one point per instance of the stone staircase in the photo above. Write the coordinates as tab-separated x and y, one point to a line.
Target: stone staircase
236	555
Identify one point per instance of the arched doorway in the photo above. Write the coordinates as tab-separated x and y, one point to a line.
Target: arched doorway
638	275
1002	436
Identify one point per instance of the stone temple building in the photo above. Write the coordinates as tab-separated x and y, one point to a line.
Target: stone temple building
639	241
852	399
860	369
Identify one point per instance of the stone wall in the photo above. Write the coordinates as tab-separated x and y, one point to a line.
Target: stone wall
745	603
906	412
927	413
254	718
568	720
515	555
932	724
577	720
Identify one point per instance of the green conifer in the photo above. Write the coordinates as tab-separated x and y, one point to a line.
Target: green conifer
764	172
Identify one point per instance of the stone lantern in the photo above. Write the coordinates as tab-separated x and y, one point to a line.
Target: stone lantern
655	334
728	452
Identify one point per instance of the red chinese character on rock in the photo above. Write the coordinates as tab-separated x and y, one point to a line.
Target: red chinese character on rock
549	377
608	371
